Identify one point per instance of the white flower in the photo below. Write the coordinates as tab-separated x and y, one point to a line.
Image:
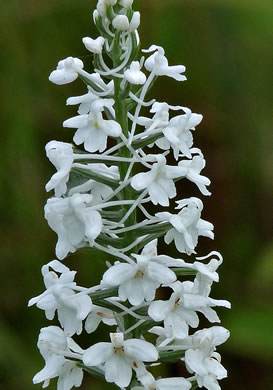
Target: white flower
60	155
187	225
179	311
93	130
158	122
134	74
178	133
72	308
158	64
90	102
203	361
194	168
94	45
53	344
119	357
66	71
121	23
159	181
99	191
98	315
73	221
138	282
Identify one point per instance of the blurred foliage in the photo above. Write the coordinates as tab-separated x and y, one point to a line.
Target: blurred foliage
226	47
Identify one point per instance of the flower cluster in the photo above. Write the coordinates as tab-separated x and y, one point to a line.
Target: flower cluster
128	152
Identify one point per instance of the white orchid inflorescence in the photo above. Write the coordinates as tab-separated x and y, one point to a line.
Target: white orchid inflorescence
102	188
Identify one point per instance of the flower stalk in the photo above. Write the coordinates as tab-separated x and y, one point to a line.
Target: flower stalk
117	165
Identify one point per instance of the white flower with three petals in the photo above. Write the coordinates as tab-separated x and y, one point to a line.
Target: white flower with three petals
53	344
158	64
201	358
178	313
159	181
72	308
120	357
92	129
74	221
177	133
60	154
138	282
187	225
89	102
96	316
67	71
194	167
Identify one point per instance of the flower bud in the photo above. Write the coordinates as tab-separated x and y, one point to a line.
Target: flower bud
135	21
126	3
95	15
102	4
121	23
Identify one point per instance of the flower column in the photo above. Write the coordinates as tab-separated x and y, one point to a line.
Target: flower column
102	185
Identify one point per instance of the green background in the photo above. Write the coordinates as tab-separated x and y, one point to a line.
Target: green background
226	47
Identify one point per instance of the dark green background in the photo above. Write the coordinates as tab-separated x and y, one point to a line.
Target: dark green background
226	47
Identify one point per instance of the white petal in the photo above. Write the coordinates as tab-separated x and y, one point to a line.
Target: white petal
92	322
133	289
97	354
117	370
210	314
176	325
51	369
142	180
215	368
210	382
140	350
76	122
118	274
195	361
70	377
93	225
220	334
159	310
158	194
160	273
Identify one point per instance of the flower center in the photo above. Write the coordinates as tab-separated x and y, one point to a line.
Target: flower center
139	274
95	124
177	303
119	350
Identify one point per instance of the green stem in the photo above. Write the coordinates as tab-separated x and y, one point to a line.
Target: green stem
170	356
127	192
